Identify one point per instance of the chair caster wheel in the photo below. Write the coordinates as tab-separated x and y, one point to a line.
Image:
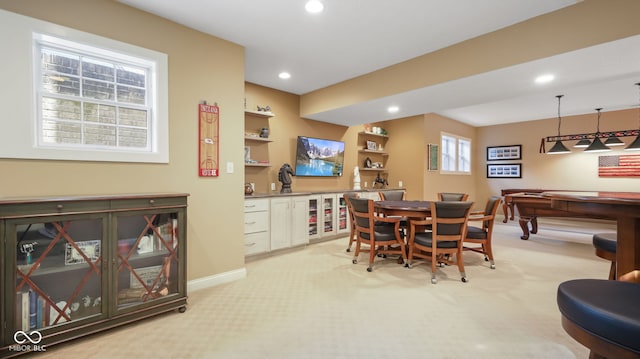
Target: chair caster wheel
486	259
407	265
493	266
355	261
369	269
464	279
434	281
348	250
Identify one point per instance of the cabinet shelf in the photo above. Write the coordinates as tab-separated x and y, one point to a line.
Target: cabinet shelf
257	139
383	153
266	114
257	165
373	169
364	133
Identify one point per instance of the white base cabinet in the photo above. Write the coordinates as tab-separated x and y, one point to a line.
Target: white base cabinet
256	226
289	221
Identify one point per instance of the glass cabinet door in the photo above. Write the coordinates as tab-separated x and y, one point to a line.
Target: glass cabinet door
328	206
314	208
147	258
58	271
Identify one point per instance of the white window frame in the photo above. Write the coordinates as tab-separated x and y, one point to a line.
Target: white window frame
460	158
19	139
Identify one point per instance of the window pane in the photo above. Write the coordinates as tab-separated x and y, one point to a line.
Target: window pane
61	84
464	159
97	90
131	117
99	113
97	70
131	76
58	109
61	132
132	95
132	137
100	135
60	62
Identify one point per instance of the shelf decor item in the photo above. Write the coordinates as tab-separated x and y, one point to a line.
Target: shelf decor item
89	249
371	145
504	153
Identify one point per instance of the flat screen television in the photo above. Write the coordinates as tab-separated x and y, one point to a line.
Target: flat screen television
319	157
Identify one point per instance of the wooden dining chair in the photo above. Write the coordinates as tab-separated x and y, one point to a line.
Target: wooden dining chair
450	196
394	195
380	234
352	223
480	236
449	228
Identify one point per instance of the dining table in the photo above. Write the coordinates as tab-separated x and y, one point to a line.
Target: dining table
624	207
409	209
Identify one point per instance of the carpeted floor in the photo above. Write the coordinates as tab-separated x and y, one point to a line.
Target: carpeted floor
314	303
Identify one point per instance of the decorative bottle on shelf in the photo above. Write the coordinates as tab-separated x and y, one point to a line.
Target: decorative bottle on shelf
264	132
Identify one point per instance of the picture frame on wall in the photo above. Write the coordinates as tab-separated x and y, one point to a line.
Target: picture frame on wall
504	153
432	156
504	170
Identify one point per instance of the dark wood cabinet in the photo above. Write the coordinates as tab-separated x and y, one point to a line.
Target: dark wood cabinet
78	265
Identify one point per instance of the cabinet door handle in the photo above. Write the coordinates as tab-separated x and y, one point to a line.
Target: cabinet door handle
250	206
250	244
151	201
60	206
254	222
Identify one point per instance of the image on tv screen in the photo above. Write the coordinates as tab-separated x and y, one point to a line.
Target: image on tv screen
319	157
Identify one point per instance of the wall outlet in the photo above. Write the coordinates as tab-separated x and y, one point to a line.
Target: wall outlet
273	186
400	184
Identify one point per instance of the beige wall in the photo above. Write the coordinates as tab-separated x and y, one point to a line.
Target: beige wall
201	67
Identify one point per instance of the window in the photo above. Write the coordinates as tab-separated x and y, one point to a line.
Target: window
82	97
456	154
91	100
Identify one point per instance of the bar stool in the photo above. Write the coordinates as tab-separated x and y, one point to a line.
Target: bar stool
603	315
606	244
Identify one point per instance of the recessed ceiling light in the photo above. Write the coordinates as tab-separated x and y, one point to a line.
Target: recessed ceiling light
284	75
543	79
393	109
314	6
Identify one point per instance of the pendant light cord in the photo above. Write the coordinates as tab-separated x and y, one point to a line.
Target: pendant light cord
559	117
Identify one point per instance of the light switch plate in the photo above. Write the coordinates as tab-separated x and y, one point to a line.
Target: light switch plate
229	167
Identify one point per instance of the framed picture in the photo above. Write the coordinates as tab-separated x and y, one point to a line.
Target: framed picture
507	170
500	153
432	156
371	145
91	249
148	275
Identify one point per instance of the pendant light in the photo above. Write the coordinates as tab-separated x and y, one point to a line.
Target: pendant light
582	143
635	145
559	147
597	145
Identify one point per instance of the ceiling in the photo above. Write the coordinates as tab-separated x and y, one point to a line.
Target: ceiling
354	37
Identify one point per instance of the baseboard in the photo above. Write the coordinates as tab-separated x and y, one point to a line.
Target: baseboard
215	280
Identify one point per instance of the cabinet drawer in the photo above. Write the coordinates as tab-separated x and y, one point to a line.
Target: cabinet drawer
255	243
46	208
256	205
256	222
148	203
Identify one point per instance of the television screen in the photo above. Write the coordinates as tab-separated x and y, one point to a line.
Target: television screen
319	157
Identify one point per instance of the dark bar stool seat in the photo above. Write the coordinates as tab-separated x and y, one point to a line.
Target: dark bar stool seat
605	245
602	315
